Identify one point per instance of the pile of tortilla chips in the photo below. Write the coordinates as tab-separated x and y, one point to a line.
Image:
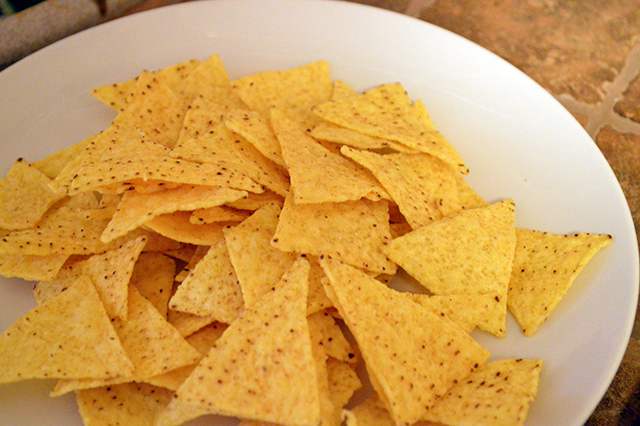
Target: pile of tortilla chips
225	247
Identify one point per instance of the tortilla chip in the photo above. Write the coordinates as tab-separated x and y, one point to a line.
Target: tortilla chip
211	289
136	209
317	299
257	131
132	404
255	201
53	164
184	253
153	277
187	324
318	175
544	268
177	227
258	265
156	242
423	187
294	90
470	252
498	393
413	355
177	413
399	229
114	95
152	344
173	379
485	311
371	412
332	340
353	231
70	336
467	196
206	74
31	268
342	90
329	415
340	135
82	201
250	356
197	256
387	112
343	382
25	196
217	214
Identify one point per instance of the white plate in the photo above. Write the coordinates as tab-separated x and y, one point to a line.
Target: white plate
518	141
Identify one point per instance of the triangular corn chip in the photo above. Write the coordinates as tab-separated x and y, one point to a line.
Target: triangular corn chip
178	412
208	73
256	129
497	394
258	265
387	112
217	214
342	90
184	253
343	382
25	196
330	337
266	350
211	289
70	336
413	355
423	187
467	196
329	415
318	175
254	201
136	208
371	412
177	227
544	268
54	163
485	311
153	277
187	324
152	344
82	201
340	135
470	252
31	268
317	300
131	404
353	231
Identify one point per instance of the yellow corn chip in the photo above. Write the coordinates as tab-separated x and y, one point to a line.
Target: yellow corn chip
196	257
82	201
470	252
294	90
335	344
399	229
423	187
187	324
206	74
136	209
173	379
544	268
413	355
25	196
110	272
177	227
184	253
156	242
255	201
152	344
370	412
178	412
258	265
329	414
217	214
31	268
317	175
70	336
54	163
387	112
131	404
266	350
211	289
317	299
153	277
486	311
336	134
353	231
257	131
497	394
467	196
343	382
342	90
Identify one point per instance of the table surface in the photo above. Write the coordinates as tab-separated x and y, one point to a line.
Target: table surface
586	54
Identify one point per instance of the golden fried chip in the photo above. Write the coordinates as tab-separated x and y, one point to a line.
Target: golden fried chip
342	90
70	336
256	129
255	201
184	253
258	265
387	112
31	268
423	187
131	404
470	252
54	163
156	242
217	214
498	393
544	268
324	327
371	412
413	355
135	208
25	196
177	227
208	73
467	196
340	135
211	289
317	299
153	277
329	415
353	231
177	413
187	324
266	350
343	382
318	175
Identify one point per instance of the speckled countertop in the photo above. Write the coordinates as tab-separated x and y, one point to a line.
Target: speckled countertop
587	54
